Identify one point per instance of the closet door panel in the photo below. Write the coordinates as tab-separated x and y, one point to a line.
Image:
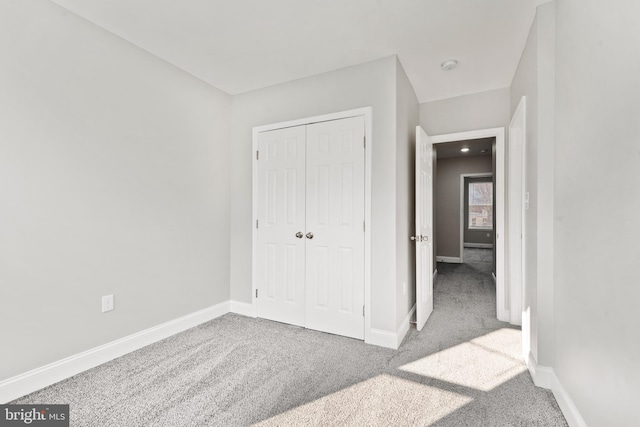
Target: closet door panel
281	214
334	226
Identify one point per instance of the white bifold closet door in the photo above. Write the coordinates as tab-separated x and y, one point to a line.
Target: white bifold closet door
311	226
335	216
281	209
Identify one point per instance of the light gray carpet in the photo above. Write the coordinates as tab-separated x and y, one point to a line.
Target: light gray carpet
463	369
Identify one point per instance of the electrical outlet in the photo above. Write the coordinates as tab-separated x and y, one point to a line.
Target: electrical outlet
107	303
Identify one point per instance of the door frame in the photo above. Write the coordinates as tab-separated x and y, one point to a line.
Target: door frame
462	190
517	205
502	308
366	113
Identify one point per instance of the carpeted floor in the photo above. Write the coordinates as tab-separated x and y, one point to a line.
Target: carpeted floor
463	369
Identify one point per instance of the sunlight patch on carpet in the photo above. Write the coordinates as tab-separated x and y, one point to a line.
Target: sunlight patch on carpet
482	363
382	400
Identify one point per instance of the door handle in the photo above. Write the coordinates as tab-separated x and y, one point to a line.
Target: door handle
299	234
420	238
309	235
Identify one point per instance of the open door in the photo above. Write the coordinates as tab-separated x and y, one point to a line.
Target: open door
424	227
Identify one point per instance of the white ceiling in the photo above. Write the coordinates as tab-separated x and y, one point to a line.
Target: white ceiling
241	45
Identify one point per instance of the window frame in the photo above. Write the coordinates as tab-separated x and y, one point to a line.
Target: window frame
468	204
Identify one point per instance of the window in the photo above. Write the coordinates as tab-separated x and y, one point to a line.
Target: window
481	205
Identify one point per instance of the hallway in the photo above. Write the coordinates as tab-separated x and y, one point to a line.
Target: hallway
466	345
468	288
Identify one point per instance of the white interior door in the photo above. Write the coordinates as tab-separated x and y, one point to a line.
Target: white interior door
281	224
424	227
335	227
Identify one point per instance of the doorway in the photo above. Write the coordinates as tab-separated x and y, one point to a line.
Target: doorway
466	140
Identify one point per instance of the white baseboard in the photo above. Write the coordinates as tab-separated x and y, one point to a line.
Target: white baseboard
542	376
546	377
28	382
449	259
404	326
243	308
383	338
390	339
479	245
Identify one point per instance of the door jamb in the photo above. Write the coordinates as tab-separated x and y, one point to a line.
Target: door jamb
365	112
518	204
499	135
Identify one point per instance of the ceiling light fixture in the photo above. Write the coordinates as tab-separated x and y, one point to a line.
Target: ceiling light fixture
464	150
449	64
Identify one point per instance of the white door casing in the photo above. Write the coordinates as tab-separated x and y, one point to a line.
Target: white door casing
516	209
335	227
279	263
424	227
309	251
502	300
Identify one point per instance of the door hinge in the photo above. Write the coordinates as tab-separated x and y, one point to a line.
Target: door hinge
256	293
363	226
257	155
364	141
256	223
363	311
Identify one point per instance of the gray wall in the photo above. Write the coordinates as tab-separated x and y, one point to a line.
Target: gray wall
525	83
371	84
447	199
482	110
595	229
534	78
114	179
406	121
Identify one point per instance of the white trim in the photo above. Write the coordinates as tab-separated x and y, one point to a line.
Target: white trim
315	119
392	340
462	177
542	375
500	211
368	130
567	406
479	245
52	373
242	308
449	259
383	338
546	377
516	211
365	112
404	326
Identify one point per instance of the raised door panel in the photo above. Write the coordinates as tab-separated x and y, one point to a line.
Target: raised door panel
281	214
335	220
